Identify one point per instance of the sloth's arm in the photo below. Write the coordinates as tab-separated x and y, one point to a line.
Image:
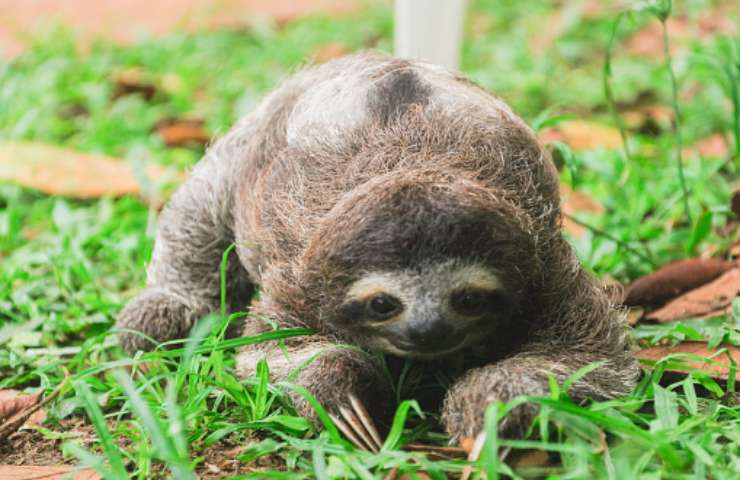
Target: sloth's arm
193	232
586	329
329	371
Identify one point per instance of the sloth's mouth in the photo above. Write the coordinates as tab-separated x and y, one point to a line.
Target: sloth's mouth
425	351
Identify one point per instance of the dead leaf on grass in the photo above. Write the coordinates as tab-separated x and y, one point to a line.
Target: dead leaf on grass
35	472
713	146
710	298
329	51
717	367
13	401
132	81
674	279
583	135
566	16
62	171
574	201
648	42
648	119
179	132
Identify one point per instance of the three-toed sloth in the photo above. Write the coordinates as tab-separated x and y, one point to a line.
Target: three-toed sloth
400	208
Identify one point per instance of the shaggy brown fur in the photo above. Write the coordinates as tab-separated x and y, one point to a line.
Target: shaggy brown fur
372	164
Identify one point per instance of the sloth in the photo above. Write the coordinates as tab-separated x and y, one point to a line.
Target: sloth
400	209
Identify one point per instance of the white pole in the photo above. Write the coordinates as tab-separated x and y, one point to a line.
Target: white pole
430	30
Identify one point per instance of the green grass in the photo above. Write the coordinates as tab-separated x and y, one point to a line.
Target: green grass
68	266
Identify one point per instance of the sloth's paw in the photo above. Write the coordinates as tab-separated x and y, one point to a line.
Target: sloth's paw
464	410
155	315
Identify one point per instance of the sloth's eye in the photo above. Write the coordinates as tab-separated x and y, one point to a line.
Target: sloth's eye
383	306
473	303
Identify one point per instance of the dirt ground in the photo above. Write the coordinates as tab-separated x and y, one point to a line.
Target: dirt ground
127	20
31	447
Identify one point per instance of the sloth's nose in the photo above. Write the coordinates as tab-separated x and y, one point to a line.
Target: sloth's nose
430	335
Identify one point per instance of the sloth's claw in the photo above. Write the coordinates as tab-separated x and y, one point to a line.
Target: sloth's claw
366	420
357	426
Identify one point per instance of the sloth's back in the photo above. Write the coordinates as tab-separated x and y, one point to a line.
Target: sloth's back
330	128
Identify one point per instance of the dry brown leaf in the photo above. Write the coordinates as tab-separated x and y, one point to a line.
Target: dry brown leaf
718	367
583	135
131	81
648	42
178	133
648	119
712	146
329	51
674	279
13	401
60	472
567	15
711	297
572	202
62	171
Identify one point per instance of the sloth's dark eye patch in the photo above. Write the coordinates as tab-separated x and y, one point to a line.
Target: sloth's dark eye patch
383	306
476	302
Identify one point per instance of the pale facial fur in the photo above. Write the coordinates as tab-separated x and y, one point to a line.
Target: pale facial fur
426	323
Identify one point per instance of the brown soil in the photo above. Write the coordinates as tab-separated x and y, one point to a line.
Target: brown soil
30	447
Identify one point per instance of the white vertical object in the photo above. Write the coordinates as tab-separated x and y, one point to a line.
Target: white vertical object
430	30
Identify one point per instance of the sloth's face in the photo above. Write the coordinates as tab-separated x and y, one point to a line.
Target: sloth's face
427	312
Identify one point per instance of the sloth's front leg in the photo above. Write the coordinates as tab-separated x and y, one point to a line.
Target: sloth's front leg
345	380
527	374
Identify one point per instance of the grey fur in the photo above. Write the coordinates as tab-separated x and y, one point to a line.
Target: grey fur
372	164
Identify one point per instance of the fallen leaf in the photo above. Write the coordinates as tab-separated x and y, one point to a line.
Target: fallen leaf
674	279
648	119
574	201
13	401
569	14
178	133
60	472
717	367
131	81
712	146
329	51
711	297
62	171
583	135
648	41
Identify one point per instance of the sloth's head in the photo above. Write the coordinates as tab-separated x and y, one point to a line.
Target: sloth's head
428	311
422	264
